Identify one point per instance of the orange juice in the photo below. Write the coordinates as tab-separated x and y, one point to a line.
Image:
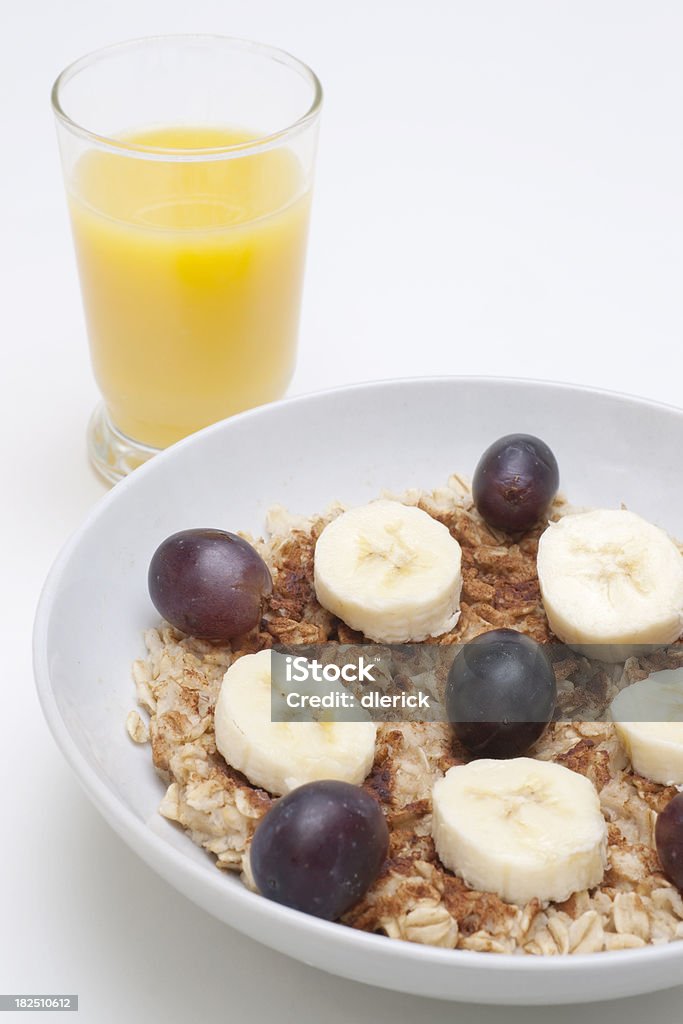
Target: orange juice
191	272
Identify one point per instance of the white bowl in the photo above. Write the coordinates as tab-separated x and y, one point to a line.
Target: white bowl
347	444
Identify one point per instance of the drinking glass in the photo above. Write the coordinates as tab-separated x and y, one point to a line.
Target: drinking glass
188	163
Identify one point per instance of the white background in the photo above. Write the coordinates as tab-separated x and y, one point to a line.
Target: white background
500	190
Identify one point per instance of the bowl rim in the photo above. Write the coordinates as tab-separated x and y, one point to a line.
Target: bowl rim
136	833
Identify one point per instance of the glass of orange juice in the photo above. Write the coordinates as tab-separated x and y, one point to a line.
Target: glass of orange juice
189	164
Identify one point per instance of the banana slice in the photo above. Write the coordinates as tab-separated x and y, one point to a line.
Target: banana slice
611	583
648	718
520	828
279	756
390	571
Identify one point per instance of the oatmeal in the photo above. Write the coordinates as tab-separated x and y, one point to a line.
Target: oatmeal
415	898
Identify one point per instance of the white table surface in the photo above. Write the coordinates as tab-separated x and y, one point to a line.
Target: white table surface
500	191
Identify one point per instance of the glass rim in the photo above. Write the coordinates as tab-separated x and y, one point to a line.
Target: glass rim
257	144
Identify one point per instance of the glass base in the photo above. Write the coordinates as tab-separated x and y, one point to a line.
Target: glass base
112	453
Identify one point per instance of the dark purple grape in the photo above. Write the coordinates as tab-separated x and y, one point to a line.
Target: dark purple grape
209	583
514	482
320	848
500	693
669	839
